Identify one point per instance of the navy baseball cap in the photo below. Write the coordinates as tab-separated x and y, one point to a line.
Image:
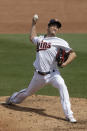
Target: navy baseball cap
54	22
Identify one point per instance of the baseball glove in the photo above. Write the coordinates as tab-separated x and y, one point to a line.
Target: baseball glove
61	57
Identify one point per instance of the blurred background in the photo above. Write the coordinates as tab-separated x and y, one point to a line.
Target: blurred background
16	15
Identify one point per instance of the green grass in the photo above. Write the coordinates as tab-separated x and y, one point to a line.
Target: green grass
17	55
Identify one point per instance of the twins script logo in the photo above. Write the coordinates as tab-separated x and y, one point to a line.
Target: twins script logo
43	46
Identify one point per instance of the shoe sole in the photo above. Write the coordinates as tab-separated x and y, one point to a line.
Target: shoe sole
71	121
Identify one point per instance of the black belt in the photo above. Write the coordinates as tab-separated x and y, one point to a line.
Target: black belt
44	73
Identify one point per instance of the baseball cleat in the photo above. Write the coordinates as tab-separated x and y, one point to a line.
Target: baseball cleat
71	119
8	101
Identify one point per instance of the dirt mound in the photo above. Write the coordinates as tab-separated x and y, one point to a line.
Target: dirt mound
38	113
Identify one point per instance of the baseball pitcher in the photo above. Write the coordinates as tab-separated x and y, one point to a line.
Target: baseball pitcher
50	53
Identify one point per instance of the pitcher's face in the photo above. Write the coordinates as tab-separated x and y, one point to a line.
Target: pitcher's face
52	30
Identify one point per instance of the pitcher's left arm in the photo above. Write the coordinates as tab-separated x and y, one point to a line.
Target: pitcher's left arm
72	56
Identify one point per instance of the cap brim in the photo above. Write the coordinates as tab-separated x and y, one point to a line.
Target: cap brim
55	23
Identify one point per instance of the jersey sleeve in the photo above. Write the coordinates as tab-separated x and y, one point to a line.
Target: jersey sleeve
35	40
65	46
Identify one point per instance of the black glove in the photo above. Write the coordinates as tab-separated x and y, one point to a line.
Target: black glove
61	57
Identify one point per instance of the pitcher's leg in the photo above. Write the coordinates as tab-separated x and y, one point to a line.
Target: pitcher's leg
59	83
34	86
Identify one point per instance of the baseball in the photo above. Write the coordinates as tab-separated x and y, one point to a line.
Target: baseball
35	17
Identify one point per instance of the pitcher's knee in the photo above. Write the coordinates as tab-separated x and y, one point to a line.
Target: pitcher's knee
61	84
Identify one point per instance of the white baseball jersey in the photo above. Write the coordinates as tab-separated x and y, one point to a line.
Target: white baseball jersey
47	48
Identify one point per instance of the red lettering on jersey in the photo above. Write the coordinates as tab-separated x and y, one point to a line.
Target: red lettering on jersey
48	45
43	46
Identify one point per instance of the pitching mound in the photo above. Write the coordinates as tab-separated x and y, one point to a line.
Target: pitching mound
42	113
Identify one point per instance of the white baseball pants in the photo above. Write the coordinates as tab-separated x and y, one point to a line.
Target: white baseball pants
38	81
